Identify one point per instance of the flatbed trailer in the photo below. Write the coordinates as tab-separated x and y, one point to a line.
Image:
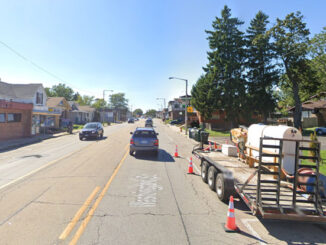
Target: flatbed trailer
261	186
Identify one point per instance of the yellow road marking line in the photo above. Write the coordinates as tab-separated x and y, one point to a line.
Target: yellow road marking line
79	213
83	225
42	167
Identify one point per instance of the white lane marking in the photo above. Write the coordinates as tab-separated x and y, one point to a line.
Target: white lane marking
146	196
253	232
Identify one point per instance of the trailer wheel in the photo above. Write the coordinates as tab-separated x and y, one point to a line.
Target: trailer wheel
223	189
211	177
204	170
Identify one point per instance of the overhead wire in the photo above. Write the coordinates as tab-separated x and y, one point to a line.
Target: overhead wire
40	67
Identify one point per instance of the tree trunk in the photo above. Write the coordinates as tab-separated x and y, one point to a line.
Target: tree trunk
297	102
298	107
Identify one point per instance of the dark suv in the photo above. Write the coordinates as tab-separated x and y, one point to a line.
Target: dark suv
144	139
149	123
91	130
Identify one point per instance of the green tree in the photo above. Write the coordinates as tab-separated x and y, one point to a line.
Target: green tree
61	90
118	101
76	96
151	113
85	100
99	104
138	112
291	39
318	53
226	63
48	92
203	96
262	75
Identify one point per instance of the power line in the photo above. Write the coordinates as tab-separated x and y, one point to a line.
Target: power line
38	66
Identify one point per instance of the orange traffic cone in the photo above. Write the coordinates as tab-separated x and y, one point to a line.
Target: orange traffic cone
230	225
190	169
215	146
176	151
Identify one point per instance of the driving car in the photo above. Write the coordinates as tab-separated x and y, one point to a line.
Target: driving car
131	120
91	130
144	139
149	123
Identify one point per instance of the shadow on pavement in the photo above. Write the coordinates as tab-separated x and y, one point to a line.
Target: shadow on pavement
162	156
295	232
95	139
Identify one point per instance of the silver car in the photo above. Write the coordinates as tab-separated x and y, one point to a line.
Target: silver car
144	139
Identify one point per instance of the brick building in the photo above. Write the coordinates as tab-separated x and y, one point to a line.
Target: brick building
15	120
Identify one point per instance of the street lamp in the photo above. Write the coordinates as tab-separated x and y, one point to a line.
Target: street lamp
186	116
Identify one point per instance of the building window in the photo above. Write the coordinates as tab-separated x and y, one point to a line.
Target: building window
2	117
14	117
39	98
176	106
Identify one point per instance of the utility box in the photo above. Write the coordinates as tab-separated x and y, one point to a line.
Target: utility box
229	150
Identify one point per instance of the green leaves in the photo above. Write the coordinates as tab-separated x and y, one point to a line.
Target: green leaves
118	101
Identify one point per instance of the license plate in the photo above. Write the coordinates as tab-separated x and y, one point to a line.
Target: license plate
144	142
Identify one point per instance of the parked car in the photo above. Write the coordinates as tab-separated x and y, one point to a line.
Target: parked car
91	130
149	123
144	139
320	131
177	121
131	120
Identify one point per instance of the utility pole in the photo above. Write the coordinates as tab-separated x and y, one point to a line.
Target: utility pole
186	102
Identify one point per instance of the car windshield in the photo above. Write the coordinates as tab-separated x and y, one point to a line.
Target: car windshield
145	134
90	125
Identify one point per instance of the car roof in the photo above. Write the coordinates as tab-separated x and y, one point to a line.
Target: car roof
145	129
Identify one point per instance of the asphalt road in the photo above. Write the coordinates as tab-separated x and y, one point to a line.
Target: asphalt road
64	191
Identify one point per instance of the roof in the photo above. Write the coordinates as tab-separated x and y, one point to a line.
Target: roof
86	108
19	90
310	105
148	129
54	101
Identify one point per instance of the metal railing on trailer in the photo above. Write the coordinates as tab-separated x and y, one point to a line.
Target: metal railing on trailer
299	199
263	189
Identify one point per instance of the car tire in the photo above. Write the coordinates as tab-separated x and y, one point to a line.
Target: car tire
204	170
211	175
81	138
223	188
319	132
101	135
131	153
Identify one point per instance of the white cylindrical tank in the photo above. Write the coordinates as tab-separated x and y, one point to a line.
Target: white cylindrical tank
256	131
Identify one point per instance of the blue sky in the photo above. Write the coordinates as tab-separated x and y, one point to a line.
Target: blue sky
130	46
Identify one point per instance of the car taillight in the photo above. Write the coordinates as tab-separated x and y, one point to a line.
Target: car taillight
131	142
156	142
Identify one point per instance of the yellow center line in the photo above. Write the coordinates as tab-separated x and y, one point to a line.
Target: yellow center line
79	213
83	225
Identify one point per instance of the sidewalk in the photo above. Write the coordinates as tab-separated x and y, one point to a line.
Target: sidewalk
218	140
15	143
